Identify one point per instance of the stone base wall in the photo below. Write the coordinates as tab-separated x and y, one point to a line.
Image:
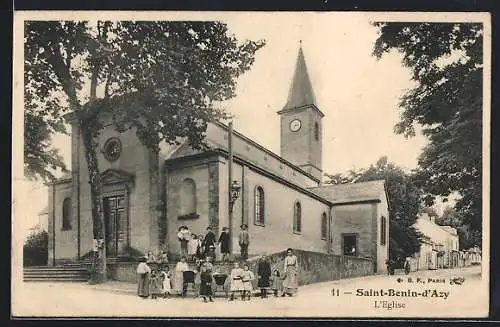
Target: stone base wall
314	267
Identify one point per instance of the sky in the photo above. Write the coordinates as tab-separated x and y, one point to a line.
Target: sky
357	93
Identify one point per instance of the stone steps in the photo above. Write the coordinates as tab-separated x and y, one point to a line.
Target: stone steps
55	274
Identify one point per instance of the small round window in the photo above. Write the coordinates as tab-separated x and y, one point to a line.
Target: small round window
112	149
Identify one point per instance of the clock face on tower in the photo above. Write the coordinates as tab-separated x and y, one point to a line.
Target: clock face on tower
295	125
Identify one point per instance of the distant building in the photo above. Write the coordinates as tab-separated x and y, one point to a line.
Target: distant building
43	222
439	247
43	219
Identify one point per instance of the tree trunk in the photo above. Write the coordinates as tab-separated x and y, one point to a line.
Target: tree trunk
98	271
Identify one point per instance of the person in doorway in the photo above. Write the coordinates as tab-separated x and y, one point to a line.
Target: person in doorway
224	244
291	267
247	280
143	272
206	284
179	286
263	275
208	241
244	241
236	285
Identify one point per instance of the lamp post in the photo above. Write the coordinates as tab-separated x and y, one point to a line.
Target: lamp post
235	193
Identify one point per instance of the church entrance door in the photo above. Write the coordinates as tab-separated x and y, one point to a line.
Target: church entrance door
115	224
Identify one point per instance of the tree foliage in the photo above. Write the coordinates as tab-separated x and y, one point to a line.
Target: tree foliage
404	203
158	78
467	236
35	249
446	63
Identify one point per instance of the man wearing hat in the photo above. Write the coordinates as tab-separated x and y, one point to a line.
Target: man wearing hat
244	241
209	243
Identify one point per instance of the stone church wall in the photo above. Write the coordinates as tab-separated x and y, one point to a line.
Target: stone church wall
358	219
65	239
197	171
314	267
277	232
134	159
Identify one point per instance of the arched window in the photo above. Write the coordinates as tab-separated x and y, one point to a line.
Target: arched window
66	214
324	226
188	197
259	206
316	131
297	218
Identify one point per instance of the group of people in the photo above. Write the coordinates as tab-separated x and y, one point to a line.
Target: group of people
158	282
281	283
200	246
153	282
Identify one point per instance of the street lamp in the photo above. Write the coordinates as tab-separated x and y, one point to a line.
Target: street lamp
235	193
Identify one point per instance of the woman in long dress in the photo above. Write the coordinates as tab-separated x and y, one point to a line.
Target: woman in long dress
143	272
180	268
291	268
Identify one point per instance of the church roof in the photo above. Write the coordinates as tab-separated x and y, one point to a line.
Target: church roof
301	92
353	192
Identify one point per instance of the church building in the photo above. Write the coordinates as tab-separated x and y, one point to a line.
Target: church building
281	198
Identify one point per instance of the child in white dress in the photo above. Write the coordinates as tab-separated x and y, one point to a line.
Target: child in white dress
236	283
167	285
247	279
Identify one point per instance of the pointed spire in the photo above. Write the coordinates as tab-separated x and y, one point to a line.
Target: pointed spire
301	91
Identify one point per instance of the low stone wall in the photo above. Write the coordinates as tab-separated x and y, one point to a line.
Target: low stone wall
314	267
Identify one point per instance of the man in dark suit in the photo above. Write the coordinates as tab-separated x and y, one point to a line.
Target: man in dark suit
209	242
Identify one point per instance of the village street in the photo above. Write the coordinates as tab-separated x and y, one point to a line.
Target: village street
118	299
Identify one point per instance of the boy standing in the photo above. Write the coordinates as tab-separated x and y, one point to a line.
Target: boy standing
244	241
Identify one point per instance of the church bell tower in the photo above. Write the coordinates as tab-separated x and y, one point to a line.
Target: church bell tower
301	123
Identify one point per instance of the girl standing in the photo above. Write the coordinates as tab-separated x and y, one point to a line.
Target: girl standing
206	284
156	284
247	279
167	286
236	283
143	272
193	247
290	284
277	283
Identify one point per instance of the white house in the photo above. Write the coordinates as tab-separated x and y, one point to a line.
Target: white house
439	248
